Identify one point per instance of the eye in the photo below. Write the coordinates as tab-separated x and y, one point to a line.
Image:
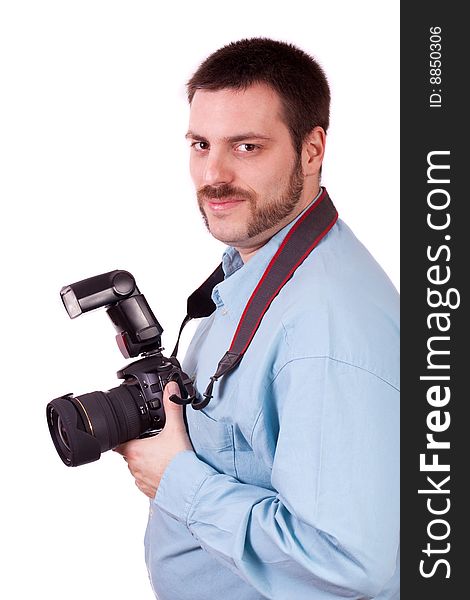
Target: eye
247	148
200	146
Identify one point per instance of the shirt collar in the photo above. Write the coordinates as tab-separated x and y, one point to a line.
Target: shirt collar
231	261
241	278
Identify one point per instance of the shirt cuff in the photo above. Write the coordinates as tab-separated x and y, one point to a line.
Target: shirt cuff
180	484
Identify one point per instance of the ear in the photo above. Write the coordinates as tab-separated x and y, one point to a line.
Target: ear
313	150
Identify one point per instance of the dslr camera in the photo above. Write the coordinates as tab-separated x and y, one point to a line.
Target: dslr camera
82	427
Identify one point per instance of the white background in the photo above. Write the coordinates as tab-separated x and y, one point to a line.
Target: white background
94	177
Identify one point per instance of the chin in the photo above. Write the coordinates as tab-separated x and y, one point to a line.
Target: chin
230	238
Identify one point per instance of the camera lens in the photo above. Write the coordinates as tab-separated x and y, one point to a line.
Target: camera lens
61	418
62	433
82	427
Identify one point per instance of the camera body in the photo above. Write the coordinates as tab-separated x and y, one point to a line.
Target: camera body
83	427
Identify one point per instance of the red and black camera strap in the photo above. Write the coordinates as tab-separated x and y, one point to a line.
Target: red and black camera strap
301	239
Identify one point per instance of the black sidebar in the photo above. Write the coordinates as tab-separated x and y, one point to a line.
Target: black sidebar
435	349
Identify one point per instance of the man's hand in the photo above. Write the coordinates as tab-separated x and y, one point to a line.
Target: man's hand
148	458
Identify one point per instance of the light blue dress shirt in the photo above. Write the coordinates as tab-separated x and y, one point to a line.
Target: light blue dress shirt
293	489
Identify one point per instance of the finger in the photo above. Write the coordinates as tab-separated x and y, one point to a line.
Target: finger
171	388
128	448
173	411
121	449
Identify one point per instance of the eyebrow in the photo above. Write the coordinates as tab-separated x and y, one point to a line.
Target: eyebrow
249	135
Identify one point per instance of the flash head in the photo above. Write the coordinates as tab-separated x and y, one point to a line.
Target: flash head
137	328
96	292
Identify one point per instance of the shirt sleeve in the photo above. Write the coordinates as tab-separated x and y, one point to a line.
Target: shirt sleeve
329	528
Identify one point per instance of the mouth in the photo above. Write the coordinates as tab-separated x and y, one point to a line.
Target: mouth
218	204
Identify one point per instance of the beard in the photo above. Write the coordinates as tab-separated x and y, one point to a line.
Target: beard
263	215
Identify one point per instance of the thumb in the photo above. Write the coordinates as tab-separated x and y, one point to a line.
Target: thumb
173	411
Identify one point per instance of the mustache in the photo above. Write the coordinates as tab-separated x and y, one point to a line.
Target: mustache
224	190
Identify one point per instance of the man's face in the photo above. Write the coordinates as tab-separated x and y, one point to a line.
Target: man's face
247	175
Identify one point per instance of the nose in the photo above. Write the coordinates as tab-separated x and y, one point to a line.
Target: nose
217	169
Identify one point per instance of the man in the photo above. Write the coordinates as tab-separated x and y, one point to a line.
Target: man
286	484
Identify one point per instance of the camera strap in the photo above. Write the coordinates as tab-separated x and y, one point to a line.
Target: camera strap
301	239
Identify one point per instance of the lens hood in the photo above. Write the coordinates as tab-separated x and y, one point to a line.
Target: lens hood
73	443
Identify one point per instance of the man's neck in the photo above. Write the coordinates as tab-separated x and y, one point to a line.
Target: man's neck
247	253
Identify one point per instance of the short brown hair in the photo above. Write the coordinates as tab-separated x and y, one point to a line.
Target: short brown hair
296	77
